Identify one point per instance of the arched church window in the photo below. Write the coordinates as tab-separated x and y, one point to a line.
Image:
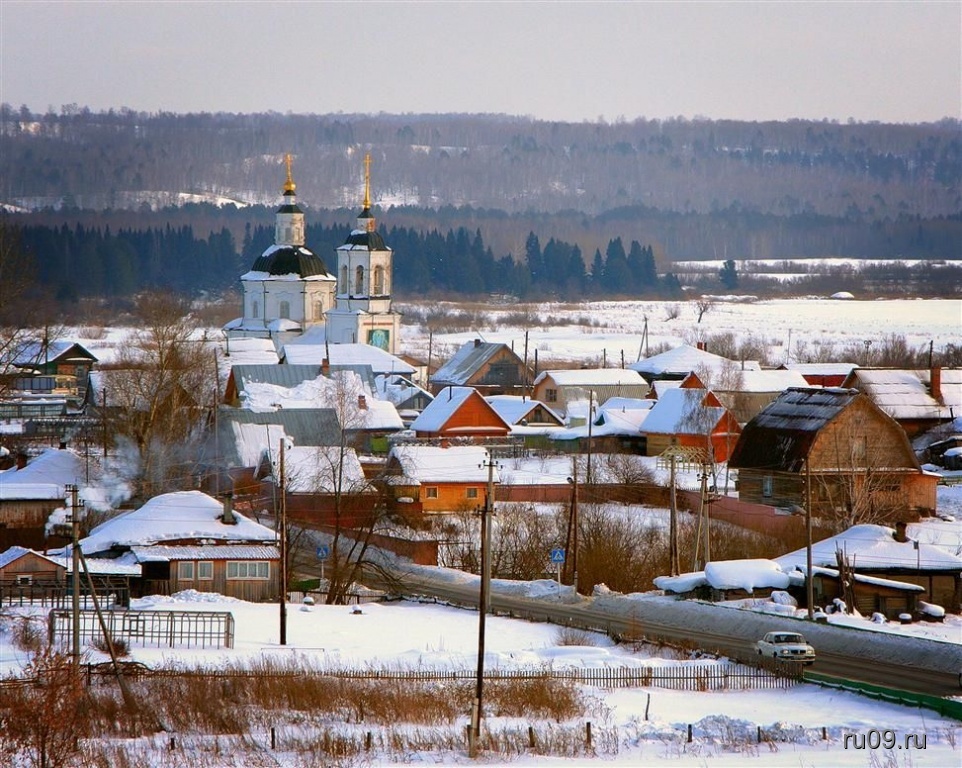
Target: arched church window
285	310
255	309
379	281
318	309
345	286
359	281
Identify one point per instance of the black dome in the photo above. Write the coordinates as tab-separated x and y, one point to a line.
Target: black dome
372	240
288	259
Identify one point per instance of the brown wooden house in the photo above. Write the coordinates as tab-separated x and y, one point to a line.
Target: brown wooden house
492	369
439	479
189	540
834	452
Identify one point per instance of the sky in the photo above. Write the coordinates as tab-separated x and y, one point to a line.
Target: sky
867	60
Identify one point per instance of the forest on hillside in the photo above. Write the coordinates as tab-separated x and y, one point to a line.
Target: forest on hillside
115	201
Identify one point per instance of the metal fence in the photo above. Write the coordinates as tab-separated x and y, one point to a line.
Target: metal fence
173	629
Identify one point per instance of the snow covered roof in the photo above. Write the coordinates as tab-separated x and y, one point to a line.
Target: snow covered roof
448	401
514	408
766	381
399	389
467	361
299	352
682	412
161	553
822	369
44	477
683	360
433	464
798	578
315	469
874	547
279	375
242	435
280	262
38	352
907	394
16	552
587	377
618	416
174	517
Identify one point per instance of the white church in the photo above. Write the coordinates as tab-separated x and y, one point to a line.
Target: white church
289	291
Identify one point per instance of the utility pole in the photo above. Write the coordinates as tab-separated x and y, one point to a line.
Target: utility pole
574	526
591	408
809	581
484	605
524	387
103	418
673	525
75	576
283	516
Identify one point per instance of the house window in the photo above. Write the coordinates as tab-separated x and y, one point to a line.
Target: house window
767	486
24	580
248	569
185	570
359	281
345	286
551	395
431	492
285	310
471	493
378	281
205	570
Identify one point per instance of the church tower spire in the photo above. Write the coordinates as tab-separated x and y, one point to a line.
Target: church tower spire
365	221
289	222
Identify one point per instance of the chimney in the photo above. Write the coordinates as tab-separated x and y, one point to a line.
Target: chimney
935	384
325	367
228	518
477	342
362	402
899	534
700	345
21	460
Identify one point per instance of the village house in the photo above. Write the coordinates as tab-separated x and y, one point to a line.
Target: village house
615	427
556	388
53	367
690	416
189	540
917	400
460	412
891	570
439	479
834	452
490	368
746	392
31	491
821	374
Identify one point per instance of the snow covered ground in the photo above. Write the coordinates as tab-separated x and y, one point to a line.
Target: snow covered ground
410	635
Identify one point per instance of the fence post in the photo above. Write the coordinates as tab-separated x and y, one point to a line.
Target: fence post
531	737
273	738
647	704
588	734
689	733
367	742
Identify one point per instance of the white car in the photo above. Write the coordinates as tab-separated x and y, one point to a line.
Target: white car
789	646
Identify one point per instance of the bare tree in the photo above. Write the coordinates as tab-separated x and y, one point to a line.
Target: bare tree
159	388
703	306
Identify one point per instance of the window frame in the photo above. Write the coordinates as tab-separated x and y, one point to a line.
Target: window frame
431	492
237	566
186	570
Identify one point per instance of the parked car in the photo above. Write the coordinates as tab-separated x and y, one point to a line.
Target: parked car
790	646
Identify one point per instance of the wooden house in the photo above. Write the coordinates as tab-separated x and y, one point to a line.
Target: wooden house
53	367
835	450
690	416
29	494
917	400
745	393
189	540
439	479
558	388
490	368
891	570
460	412
20	566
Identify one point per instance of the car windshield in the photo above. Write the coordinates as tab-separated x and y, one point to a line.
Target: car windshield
788	639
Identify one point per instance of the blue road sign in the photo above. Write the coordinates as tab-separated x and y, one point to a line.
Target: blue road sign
557	555
323	552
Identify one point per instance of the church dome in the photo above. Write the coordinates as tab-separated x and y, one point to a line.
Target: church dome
370	240
290	260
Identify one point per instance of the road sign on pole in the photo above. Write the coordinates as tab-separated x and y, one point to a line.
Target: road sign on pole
323	552
557	555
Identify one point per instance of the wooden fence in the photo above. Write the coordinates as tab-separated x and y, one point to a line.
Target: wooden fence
691	676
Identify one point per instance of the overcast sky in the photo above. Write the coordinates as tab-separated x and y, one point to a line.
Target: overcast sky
866	60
